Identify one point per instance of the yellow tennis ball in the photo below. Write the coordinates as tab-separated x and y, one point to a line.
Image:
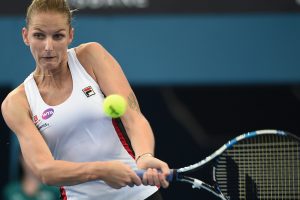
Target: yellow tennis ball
114	105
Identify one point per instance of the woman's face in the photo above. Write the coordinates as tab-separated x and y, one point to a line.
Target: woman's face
48	36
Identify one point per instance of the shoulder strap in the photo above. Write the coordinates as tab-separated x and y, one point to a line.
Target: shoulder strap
32	92
77	70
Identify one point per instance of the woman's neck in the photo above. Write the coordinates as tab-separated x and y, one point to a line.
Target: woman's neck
51	77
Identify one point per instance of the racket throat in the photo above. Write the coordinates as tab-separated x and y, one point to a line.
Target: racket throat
197	184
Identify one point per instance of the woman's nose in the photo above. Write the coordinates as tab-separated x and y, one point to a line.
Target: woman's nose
49	44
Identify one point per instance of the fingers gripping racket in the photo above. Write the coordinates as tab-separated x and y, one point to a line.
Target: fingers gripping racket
263	164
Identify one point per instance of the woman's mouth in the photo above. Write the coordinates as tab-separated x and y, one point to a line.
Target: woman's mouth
48	57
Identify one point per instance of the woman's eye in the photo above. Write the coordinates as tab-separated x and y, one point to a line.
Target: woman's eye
38	35
58	36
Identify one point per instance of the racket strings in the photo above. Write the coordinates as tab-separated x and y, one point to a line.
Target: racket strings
263	167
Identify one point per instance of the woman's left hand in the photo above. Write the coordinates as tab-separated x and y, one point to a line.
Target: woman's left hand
156	171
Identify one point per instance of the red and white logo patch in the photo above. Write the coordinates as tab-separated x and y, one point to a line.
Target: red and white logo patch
35	119
88	91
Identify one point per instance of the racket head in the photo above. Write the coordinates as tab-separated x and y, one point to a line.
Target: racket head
259	165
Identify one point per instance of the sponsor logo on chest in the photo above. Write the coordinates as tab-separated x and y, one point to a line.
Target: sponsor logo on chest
41	122
47	113
88	91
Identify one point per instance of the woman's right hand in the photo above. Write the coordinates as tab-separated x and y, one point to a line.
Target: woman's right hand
118	174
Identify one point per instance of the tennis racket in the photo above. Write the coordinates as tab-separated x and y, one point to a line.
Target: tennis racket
263	164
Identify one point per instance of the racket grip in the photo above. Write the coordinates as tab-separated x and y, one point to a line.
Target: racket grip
169	178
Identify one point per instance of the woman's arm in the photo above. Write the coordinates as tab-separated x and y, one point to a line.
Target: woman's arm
111	79
15	110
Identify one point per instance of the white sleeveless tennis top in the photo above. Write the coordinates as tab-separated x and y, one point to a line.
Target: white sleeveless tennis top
77	130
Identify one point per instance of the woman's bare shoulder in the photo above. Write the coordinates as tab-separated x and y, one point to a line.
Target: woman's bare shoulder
16	99
17	94
89	49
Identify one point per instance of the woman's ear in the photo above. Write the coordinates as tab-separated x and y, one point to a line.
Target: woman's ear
71	36
25	36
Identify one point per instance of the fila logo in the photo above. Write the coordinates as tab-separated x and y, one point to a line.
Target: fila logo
88	91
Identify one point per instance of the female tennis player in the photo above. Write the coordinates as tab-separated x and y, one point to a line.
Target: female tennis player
56	113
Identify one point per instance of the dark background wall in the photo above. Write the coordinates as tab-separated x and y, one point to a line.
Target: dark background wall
202	76
4	144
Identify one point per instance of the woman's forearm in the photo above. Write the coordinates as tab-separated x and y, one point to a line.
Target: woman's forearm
60	173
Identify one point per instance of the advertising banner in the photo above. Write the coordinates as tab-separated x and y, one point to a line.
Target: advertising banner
100	7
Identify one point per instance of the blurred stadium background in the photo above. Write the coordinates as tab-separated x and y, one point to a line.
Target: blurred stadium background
203	71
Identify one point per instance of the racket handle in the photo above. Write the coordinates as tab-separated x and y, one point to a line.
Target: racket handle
169	178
